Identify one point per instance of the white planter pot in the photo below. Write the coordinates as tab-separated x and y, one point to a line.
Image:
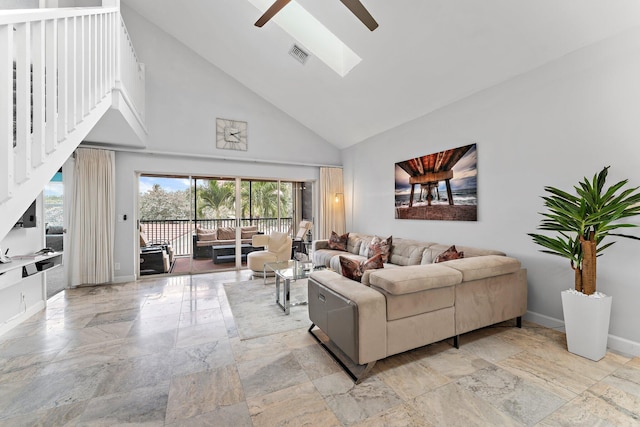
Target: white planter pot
586	322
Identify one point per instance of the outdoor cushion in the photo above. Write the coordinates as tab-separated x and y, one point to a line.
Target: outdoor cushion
205	234
226	233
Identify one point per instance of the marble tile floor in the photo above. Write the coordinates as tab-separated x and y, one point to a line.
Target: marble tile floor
165	352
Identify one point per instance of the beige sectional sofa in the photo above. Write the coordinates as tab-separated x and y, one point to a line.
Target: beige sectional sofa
411	302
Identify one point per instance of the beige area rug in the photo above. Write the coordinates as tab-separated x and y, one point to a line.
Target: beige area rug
256	313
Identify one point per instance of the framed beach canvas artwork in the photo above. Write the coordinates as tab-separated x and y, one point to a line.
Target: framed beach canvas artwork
438	186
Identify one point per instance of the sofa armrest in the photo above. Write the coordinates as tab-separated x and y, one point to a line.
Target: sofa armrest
371	339
319	244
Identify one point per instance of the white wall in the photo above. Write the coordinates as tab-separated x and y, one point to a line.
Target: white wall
184	95
22	241
551	126
18	4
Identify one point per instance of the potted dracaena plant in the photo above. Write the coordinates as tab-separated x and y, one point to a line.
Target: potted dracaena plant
581	222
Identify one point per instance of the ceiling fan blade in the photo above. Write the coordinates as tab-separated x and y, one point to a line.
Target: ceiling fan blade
275	8
361	13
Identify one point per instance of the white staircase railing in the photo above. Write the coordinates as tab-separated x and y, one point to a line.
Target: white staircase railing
66	62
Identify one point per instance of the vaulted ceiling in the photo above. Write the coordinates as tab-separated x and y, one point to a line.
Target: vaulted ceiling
424	55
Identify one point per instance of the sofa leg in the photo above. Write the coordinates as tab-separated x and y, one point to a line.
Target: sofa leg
357	379
456	341
519	321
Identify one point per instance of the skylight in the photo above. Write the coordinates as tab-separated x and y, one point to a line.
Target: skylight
314	36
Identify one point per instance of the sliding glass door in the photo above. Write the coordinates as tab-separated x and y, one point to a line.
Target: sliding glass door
207	221
215	221
165	227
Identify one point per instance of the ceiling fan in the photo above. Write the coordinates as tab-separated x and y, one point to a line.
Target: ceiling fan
355	6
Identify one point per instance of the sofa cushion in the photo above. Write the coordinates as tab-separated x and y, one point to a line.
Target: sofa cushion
205	234
476	268
433	250
226	233
325	257
248	232
414	278
365	241
379	246
407	305
407	251
353	269
338	242
448	255
353	243
365	274
473	252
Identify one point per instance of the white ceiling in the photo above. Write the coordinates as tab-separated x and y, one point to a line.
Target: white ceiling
424	55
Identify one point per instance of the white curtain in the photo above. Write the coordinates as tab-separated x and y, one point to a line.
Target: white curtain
91	231
331	203
67	182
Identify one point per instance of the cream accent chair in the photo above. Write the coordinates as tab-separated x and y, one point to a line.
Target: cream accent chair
277	248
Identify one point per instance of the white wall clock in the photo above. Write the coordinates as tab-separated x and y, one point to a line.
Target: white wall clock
231	134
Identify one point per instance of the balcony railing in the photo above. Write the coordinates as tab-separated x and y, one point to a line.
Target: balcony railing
178	232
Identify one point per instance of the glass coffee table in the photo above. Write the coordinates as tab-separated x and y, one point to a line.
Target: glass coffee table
285	272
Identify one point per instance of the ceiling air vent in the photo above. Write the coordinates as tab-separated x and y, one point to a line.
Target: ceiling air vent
297	52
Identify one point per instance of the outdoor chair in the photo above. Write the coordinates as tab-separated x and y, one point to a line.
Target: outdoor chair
154	257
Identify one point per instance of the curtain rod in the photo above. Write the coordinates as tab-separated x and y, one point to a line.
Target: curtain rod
206	156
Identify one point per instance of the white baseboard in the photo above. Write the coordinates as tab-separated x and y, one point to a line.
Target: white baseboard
123	279
541	319
16	320
618	344
623	345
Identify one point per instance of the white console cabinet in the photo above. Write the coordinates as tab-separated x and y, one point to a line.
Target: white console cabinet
23	287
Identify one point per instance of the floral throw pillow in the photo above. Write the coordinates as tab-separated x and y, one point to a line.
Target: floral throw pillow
382	247
337	242
354	269
449	254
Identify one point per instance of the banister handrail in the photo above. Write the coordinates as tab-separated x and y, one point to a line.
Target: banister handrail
17	16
